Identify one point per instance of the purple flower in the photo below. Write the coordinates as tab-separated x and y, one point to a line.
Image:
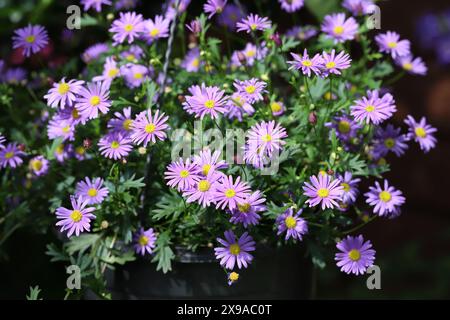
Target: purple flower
31	39
11	155
372	108
96	4
247	212
91	191
72	115
412	66
92	99
251	90
144	241
126	4
334	63
63	152
212	7
389	139
115	146
355	256
134	74
194	26
157	29
235	251
209	162
249	55
182	174
293	225
191	62
386	200
110	72
291	5
390	42
231	14
171	9
127	27
122	122
237	106
39	165
307	64
205	101
302	33
349	187
345	127
147	127
133	54
63	93
338	28
252	23
277	108
230	194
61	128
203	189
323	189
77	219
94	52
358	7
15	75
80	153
421	132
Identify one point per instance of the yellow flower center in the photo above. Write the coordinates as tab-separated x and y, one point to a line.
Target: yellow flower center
392	44
63	88
143	240
75	114
92	192
66	129
30	39
354	255
245	207
290	222
346	186
382	162
115	144
60	149
385	196
330	65
138	75
420	132
150	128
76	215
253	26
9	155
130	57
205	169
209	104
184	173
128	27
338	30
266	138
250	89
234	276
95	100
344	126
407	66
235	249
113	72
80	150
230	193
275	106
323	192
389	143
154	32
127	124
36	165
370	108
203	185
307	63
250	53
195	63
323	173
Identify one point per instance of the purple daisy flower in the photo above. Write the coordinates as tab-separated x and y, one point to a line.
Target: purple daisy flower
30	39
15	75
307	64
209	162
302	33
235	251
252	23
249	55
95	4
122	122
247	212
264	138
191	62
333	64
291	5
372	108
91	191
133	54
110	72
63	93
212	7
338	28
358	7
203	189
129	26
94	52
293	225
237	106
147	127
194	26
421	132
355	256
11	156
389	139
182	174
231	14
134	74
230	194
126	4
323	189
206	101
349	187
115	146
157	29
61	128
144	241
251	90
80	153
77	219
72	115
390	42
39	165
277	108
92	99
412	66
63	152
345	127
386	200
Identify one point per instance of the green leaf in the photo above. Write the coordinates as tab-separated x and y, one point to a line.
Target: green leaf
87	21
163	253
170	205
131	183
82	242
320	8
34	293
52	149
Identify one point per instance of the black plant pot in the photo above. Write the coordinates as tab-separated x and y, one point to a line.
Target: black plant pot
282	273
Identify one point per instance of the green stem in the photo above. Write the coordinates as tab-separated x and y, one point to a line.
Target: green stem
359	226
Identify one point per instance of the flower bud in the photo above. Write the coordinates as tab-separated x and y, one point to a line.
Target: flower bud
312	118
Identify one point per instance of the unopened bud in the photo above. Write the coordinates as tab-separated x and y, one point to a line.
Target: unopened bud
87	143
312	118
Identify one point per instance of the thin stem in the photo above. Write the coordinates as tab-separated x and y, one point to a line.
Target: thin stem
307	89
359	226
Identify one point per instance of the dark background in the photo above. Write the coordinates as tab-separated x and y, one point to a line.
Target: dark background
413	251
